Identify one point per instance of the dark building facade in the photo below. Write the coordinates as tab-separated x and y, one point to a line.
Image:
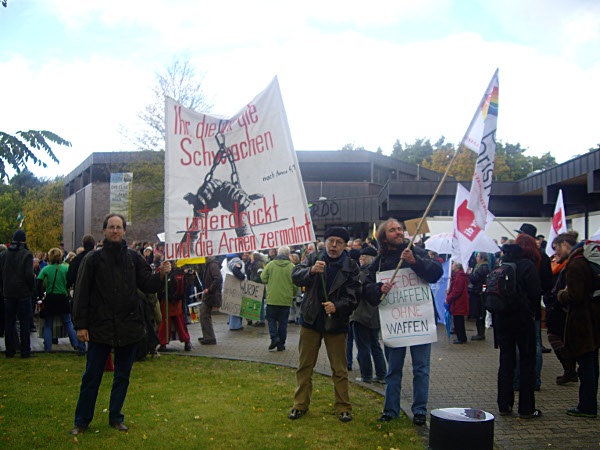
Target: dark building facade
351	188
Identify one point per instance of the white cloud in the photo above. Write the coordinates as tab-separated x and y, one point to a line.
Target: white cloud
341	81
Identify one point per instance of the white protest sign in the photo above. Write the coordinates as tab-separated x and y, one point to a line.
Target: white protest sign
406	314
232	185
242	297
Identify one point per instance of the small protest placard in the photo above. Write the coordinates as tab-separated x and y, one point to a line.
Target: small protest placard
406	314
242	297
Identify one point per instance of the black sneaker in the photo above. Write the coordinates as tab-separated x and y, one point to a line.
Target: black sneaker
385	418
296	413
506	412
281	348
577	413
419	419
534	415
274	343
345	416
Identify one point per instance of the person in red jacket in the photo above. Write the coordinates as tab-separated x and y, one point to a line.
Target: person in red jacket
458	299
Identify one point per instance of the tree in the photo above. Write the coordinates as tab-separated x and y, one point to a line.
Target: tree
416	153
178	81
43	211
5	3
16	150
11	204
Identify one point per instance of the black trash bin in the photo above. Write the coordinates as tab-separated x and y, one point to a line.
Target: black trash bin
461	429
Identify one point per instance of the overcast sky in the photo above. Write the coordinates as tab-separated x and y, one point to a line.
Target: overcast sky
365	73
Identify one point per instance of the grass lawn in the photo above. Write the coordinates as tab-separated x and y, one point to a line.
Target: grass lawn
179	402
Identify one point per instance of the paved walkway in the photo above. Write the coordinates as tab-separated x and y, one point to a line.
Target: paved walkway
461	376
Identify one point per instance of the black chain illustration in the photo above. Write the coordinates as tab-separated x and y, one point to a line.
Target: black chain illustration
214	192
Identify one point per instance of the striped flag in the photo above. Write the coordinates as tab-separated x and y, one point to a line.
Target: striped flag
481	138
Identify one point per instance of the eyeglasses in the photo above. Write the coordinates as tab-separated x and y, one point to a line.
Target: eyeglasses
335	242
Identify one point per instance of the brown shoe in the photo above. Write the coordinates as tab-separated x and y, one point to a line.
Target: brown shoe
119	426
78	430
567	377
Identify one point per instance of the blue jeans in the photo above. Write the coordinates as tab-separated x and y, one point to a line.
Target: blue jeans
92	377
277	318
66	320
420	359
235	322
350	347
20	307
588	382
367	343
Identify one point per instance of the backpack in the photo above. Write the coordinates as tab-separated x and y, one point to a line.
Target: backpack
501	292
591	252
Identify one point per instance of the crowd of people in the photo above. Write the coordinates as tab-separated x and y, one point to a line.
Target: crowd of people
565	286
116	301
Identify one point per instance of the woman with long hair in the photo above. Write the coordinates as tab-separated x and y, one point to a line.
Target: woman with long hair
56	300
530	250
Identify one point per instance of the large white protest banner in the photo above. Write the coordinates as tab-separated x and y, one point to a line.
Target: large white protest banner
406	314
242	297
232	185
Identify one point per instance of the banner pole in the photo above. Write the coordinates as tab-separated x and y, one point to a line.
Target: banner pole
502	225
167	307
437	191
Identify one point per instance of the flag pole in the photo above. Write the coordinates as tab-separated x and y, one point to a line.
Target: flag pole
502	225
426	213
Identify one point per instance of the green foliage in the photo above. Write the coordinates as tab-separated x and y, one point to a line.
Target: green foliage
16	151
418	153
11	204
43	211
510	164
188	402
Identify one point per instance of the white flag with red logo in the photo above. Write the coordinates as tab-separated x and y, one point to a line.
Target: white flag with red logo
559	223
468	236
481	138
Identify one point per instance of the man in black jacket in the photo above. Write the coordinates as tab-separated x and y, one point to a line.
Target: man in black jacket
17	284
331	281
107	313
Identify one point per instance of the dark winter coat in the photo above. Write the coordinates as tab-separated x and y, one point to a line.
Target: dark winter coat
478	276
342	292
213	281
74	268
16	271
366	314
458	296
106	301
582	328
528	280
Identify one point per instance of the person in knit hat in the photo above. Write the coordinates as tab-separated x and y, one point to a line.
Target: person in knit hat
331	281
17	283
